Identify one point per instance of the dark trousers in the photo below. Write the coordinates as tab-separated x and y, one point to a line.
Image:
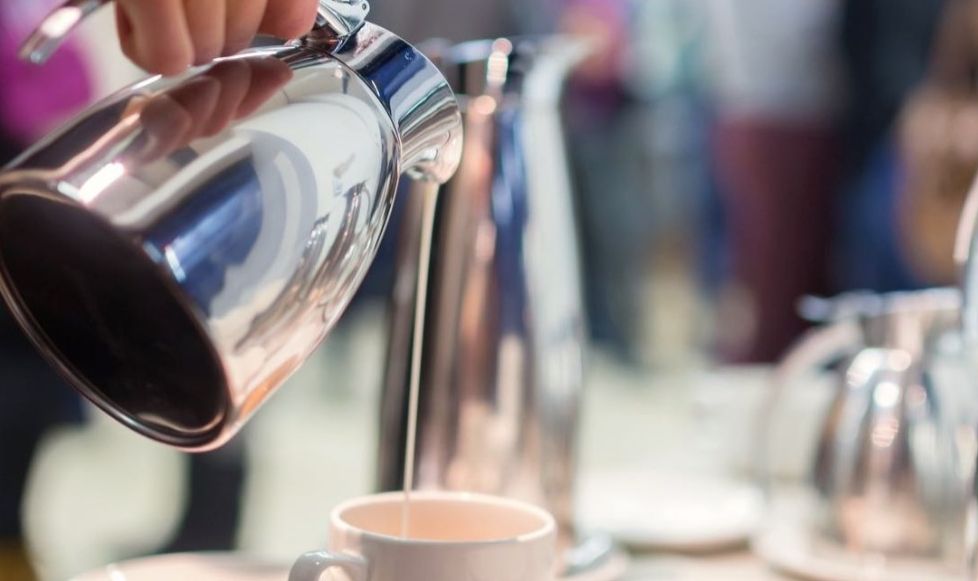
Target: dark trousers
778	181
32	399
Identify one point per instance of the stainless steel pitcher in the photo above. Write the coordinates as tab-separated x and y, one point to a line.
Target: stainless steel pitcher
966	255
180	248
502	369
895	452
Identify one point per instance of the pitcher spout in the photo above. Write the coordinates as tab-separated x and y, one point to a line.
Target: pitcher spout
416	95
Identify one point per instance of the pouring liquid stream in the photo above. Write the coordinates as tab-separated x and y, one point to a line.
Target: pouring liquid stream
429	194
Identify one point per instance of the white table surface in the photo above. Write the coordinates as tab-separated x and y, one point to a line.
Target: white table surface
732	567
697	421
133	490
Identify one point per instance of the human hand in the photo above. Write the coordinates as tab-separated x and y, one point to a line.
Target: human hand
206	105
168	36
938	146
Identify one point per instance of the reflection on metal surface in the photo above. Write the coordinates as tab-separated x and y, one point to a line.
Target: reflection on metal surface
966	254
895	455
180	248
502	354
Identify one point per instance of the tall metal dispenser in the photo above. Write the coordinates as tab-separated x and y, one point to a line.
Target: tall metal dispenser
502	357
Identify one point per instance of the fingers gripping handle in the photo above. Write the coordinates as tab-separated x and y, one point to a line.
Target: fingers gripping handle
311	566
343	18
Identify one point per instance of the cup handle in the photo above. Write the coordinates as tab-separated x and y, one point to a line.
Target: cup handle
312	565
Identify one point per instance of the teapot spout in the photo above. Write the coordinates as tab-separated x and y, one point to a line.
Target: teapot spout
416	95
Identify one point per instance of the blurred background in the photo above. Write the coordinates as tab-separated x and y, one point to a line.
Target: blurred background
729	157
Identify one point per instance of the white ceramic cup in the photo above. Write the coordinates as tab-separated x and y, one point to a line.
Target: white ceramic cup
452	536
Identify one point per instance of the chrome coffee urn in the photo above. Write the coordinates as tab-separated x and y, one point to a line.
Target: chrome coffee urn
502	356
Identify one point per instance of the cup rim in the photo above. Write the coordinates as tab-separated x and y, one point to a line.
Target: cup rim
548	527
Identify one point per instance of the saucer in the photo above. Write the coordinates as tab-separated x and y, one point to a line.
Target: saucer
671	511
796	553
190	567
612	568
234	567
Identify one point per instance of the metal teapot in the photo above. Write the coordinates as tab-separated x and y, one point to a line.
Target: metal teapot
180	248
887	485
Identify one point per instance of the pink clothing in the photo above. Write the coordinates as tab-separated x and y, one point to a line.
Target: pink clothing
32	98
598	80
608	10
606	21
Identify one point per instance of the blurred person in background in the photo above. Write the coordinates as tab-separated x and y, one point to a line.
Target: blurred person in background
164	38
634	118
937	147
604	133
887	47
32	396
774	91
663	150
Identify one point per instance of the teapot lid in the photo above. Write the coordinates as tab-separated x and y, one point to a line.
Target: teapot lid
867	304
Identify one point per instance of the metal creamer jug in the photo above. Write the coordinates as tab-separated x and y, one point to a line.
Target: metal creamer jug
181	247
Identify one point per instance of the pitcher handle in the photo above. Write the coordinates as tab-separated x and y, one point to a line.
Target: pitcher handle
312	565
341	18
816	348
55	28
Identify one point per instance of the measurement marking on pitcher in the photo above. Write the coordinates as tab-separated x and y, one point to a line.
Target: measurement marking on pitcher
430	193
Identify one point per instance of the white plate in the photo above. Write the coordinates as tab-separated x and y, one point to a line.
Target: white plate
669	510
231	567
794	552
612	569
190	567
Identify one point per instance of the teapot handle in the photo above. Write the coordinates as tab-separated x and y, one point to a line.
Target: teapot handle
817	348
340	18
54	29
